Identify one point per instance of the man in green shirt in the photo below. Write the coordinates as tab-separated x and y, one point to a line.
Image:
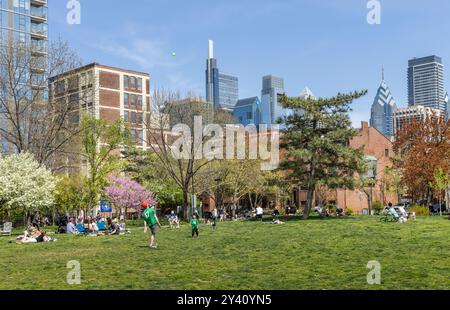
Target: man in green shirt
150	220
194	224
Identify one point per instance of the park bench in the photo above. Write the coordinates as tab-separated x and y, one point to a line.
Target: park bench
7	229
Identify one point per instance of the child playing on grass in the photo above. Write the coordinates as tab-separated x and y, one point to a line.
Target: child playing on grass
194	224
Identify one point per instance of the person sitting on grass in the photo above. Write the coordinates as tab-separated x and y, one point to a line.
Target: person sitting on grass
173	220
115	228
86	226
93	226
259	213
71	228
194	225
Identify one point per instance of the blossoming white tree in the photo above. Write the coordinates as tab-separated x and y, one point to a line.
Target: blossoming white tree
25	186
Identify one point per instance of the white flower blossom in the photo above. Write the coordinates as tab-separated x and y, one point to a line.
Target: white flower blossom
24	184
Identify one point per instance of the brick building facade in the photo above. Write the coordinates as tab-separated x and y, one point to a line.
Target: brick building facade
375	145
107	93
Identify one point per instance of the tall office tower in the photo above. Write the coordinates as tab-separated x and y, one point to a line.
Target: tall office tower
212	76
271	110
228	91
383	108
222	89
426	82
25	22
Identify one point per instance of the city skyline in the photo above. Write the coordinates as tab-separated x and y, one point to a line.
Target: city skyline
329	46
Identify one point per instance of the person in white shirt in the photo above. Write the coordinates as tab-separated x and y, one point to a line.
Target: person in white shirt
259	212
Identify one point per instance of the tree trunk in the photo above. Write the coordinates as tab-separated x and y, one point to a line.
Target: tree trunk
186	205
309	202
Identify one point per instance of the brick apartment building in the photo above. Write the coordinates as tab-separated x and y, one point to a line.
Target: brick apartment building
108	93
378	148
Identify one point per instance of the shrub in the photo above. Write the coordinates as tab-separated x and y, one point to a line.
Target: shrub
331	208
378	206
349	212
420	210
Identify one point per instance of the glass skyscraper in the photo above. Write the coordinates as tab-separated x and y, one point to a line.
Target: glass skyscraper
24	22
426	82
222	89
247	111
228	91
271	110
383	109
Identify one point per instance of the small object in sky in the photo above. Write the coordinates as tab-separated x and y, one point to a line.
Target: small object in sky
174	54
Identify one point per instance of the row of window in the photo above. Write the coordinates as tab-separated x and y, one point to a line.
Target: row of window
132	83
133	117
132	101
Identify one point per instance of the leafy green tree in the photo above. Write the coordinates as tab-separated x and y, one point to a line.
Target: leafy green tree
101	142
71	193
378	206
316	143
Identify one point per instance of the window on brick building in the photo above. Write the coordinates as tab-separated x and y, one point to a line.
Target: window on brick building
133	136
132	83
386	152
133	118
132	100
139	102
125	81
126	116
140	136
60	87
139	82
140	119
126	100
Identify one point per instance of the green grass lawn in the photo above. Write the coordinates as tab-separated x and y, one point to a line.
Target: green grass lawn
314	254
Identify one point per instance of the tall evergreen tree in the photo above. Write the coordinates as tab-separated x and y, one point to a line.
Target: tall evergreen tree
315	142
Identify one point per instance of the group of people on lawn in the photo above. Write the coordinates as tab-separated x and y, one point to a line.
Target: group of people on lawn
93	226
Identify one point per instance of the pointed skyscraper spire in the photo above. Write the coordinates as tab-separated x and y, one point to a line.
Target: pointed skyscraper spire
383	108
210	49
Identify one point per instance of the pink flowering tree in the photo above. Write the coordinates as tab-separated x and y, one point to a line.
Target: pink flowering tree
126	193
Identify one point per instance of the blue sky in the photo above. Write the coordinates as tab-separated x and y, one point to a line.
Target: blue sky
326	45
